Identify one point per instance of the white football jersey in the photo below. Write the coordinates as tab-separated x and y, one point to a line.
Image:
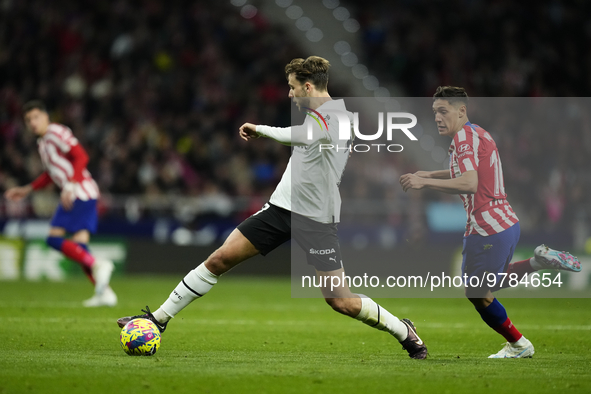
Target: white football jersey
310	184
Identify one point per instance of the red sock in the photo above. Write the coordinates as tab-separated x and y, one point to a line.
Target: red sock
77	253
520	268
508	330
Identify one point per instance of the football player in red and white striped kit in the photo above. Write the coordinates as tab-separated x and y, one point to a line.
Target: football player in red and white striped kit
64	161
492	228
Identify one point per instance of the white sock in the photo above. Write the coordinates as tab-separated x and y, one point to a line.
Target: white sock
377	317
520	342
535	265
195	285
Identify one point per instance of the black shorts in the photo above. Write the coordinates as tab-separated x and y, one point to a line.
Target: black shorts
272	226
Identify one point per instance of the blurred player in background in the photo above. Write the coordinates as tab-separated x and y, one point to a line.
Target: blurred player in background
64	161
306	205
492	230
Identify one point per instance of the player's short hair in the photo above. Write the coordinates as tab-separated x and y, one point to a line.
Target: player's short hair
452	94
314	69
34	104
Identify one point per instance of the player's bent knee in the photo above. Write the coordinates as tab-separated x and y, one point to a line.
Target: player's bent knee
341	305
82	237
57	232
218	262
333	303
235	250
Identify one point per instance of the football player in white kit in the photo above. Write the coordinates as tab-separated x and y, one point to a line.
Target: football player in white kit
305	206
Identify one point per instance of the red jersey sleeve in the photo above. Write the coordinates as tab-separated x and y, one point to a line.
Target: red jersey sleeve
41	181
79	159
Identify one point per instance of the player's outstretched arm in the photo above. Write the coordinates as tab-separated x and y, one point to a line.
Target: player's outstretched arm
249	131
465	184
441	174
302	135
17	193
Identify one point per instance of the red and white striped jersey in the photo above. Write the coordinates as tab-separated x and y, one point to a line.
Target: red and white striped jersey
488	211
54	148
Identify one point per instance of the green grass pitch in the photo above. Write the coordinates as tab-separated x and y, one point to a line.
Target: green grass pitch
249	336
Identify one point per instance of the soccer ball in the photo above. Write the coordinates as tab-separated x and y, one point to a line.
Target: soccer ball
140	337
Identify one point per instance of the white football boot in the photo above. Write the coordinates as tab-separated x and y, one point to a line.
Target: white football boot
106	298
510	350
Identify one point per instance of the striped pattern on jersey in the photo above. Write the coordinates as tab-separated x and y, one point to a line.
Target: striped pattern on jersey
488	212
53	148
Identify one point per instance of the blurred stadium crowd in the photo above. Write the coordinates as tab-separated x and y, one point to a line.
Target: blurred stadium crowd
156	91
501	48
498	48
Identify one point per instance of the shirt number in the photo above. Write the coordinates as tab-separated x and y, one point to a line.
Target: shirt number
495	162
